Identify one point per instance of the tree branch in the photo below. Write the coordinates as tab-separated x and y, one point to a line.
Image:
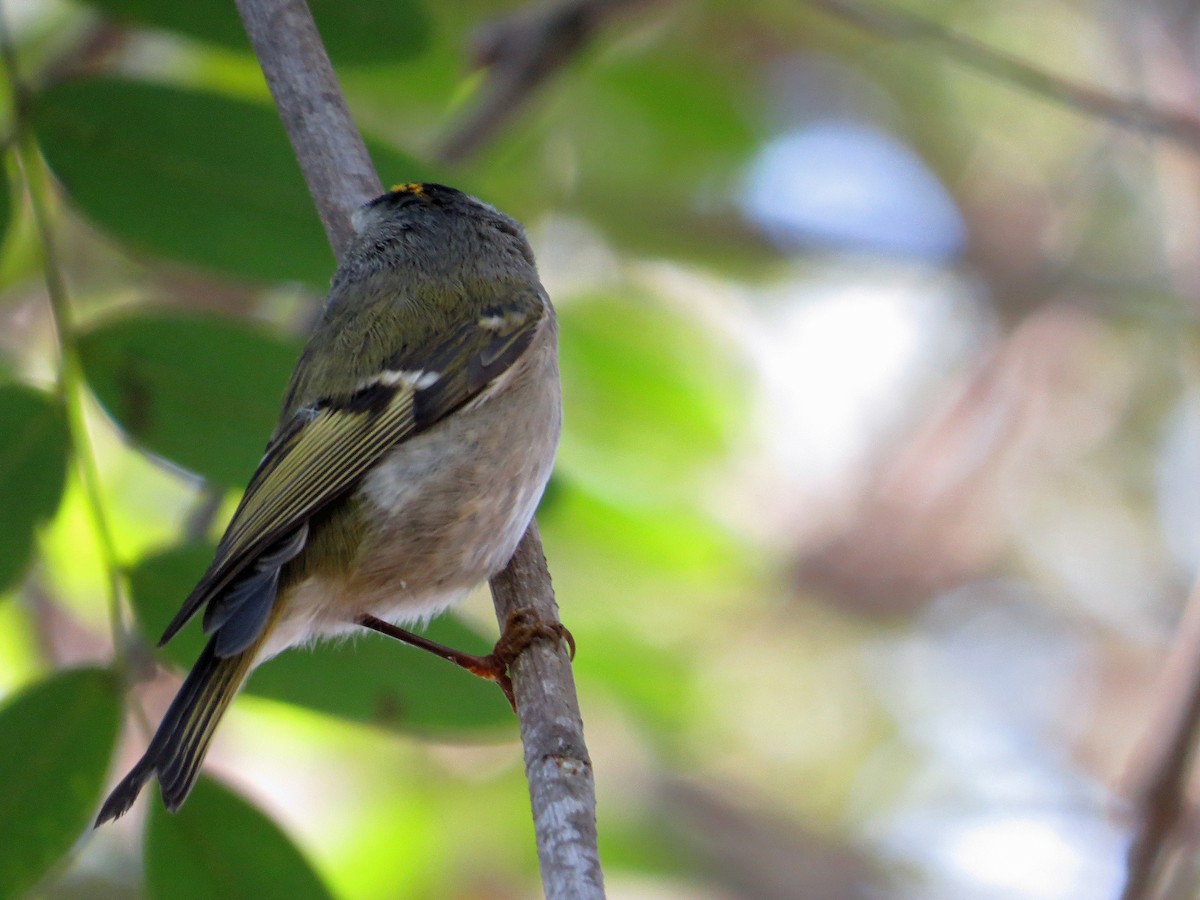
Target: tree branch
1129	113
341	177
521	52
330	150
1156	781
562	787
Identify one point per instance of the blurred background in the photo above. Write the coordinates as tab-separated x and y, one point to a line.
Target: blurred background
878	501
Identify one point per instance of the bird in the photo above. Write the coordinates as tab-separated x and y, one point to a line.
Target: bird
416	437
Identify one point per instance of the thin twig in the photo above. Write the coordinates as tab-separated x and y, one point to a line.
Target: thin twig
200	518
71	382
521	52
1158	772
1126	112
341	177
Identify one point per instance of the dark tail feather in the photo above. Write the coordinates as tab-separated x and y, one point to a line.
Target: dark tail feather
178	747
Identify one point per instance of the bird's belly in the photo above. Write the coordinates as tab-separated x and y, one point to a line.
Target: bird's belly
445	517
421	554
317	608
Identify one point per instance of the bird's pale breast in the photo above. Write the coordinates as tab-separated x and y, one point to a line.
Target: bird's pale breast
441	513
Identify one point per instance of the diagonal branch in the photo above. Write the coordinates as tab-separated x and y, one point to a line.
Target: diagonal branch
330	150
1128	113
341	177
562	786
1156	781
521	52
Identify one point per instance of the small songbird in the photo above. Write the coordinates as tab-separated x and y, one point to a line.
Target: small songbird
417	435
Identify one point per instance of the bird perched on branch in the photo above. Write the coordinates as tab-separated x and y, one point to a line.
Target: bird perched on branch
417	435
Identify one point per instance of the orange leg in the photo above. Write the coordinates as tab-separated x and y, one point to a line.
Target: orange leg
520	630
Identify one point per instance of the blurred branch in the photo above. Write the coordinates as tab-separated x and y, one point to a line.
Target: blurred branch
1126	112
341	177
89	55
1158	771
754	853
204	512
520	53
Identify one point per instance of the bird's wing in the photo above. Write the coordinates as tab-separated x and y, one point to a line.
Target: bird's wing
323	451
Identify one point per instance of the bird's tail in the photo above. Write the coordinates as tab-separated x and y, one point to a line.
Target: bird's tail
178	747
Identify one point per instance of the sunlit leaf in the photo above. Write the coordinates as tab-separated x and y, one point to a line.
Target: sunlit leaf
363	32
56	741
201	392
218	845
657	561
196	177
650	396
370	679
674	543
33	467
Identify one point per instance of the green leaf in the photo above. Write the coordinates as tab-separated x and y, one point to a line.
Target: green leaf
201	392
56	742
693	133
158	585
218	845
359	33
34	447
380	681
195	177
371	679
